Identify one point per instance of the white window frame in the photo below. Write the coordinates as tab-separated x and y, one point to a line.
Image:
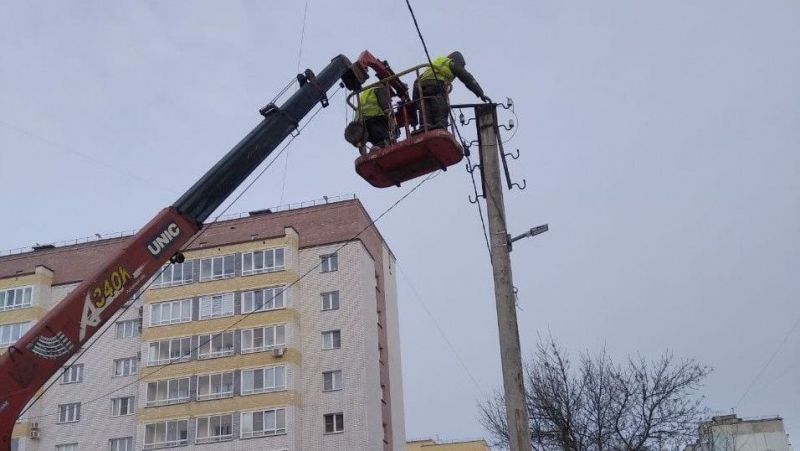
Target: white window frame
22	298
263	373
265	431
255	262
178	350
330	300
69	413
171	277
215	306
121	444
73	374
335	377
209	438
223	392
273	331
338	423
10	333
184	314
127	329
207	341
167	443
278	296
67	447
328	344
126	402
128	365
168	384
212	263
329	262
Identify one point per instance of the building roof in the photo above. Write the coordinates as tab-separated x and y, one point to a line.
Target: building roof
316	225
432	445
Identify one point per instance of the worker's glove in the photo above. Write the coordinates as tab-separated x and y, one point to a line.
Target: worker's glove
486	99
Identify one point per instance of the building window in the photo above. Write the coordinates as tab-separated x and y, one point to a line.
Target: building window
67	447
128	329
15	298
69	413
171	391
263	338
123	406
216	306
216	345
263	380
121	444
329	263
334	423
215	428
214	386
332	380
256	262
263	422
332	339
166	434
125	367
272	298
215	268
171	312
174	274
73	374
10	333
330	300
169	351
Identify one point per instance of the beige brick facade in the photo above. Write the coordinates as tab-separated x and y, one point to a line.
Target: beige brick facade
368	395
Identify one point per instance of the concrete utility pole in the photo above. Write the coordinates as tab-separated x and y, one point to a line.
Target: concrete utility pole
510	355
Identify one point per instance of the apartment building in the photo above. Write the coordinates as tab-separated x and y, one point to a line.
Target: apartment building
278	332
731	433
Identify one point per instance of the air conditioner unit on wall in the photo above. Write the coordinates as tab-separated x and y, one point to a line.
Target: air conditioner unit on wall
34	433
34	425
278	352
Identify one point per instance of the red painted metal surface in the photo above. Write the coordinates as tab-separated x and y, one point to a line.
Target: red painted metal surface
416	156
48	345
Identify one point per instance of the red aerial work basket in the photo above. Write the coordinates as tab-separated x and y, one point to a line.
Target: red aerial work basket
418	155
423	150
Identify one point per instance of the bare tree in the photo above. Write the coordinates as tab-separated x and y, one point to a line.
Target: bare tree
640	405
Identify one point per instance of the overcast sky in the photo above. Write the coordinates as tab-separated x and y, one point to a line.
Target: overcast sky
660	141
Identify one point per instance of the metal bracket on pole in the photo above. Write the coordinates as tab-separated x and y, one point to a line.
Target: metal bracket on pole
529	234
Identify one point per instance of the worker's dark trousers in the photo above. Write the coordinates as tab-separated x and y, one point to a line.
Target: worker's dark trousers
435	103
377	130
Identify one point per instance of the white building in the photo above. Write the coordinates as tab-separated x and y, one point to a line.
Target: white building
278	332
731	433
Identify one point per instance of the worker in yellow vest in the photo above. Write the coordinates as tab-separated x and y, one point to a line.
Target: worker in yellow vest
372	119
433	84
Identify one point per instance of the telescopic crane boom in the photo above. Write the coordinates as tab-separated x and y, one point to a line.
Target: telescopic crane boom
48	345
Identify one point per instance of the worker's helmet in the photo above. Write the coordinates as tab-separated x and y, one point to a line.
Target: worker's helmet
355	134
457	58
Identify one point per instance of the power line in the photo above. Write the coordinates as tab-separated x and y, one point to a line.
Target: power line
299	57
768	362
189	243
245	316
455	126
450	345
302	35
95	160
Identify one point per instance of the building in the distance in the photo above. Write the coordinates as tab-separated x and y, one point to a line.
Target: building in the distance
278	332
731	433
433	445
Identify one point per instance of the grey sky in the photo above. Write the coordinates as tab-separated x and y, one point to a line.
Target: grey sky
659	140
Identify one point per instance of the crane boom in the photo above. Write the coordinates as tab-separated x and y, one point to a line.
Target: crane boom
49	344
